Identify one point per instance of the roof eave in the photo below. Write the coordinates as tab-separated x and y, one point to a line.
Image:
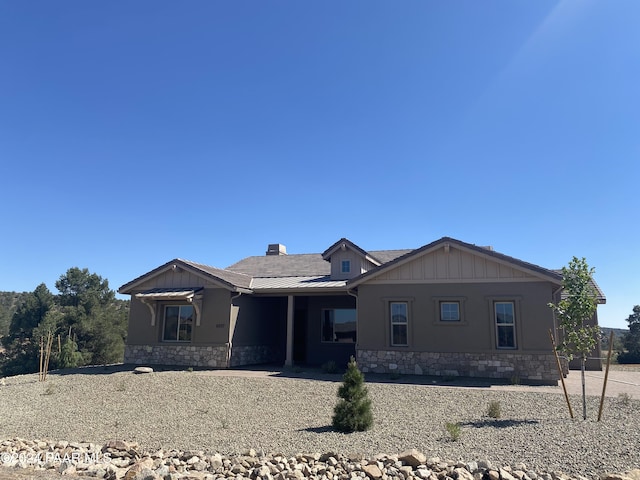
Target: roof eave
535	270
128	288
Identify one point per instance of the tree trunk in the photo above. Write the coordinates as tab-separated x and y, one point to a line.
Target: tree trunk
584	391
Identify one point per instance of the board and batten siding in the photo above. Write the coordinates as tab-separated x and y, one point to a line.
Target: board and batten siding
455	266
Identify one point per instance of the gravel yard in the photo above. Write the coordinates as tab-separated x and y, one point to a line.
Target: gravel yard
225	414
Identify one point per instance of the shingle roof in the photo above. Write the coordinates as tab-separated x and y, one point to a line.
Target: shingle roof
387	255
298	265
236	279
596	287
310	270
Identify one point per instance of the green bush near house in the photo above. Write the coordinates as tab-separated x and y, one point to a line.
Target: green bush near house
330	367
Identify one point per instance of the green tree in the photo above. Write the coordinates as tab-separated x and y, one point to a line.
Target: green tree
31	312
353	411
80	288
9	301
98	320
85	306
20	348
575	311
631	339
69	356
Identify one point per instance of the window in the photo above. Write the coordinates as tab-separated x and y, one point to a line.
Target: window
345	266
399	323
449	311
339	325
178	323
505	324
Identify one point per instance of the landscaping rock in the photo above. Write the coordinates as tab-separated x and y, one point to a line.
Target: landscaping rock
413	457
143	370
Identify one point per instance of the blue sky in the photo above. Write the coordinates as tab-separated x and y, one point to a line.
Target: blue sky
132	133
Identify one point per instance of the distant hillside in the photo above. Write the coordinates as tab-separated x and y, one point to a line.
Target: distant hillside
618	334
9	301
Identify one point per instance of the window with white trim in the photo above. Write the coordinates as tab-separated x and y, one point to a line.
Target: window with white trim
449	311
399	314
505	320
345	266
178	323
339	325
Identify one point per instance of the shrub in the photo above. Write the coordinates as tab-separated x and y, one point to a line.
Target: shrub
624	398
628	357
454	430
493	410
330	367
353	411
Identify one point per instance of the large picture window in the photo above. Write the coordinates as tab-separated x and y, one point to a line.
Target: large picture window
399	313
178	323
505	324
339	325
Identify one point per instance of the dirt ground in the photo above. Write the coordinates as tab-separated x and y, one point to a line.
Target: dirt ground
622	380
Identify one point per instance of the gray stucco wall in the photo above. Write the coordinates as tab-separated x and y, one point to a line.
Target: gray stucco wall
467	342
476	331
213	328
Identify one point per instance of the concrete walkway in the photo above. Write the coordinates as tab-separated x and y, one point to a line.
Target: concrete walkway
619	381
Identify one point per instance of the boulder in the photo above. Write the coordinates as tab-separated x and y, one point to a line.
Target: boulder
462	474
614	476
143	370
372	471
413	457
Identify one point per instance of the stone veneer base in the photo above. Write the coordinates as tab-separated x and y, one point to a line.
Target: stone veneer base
182	354
253	355
539	368
199	356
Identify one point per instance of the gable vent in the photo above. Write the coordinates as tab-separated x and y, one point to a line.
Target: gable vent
276	249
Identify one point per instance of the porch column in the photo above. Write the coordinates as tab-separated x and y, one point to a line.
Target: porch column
289	357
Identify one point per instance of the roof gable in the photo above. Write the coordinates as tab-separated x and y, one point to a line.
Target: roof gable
450	260
178	267
344	244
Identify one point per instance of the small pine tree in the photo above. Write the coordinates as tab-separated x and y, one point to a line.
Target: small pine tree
353	411
69	356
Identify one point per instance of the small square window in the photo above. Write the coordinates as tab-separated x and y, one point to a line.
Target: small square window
449	311
346	266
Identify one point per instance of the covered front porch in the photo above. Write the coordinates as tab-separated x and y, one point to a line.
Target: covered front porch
306	329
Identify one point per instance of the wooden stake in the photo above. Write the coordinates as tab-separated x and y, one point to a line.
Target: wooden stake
41	358
606	376
564	387
47	355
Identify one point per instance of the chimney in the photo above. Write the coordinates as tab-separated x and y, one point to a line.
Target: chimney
276	249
